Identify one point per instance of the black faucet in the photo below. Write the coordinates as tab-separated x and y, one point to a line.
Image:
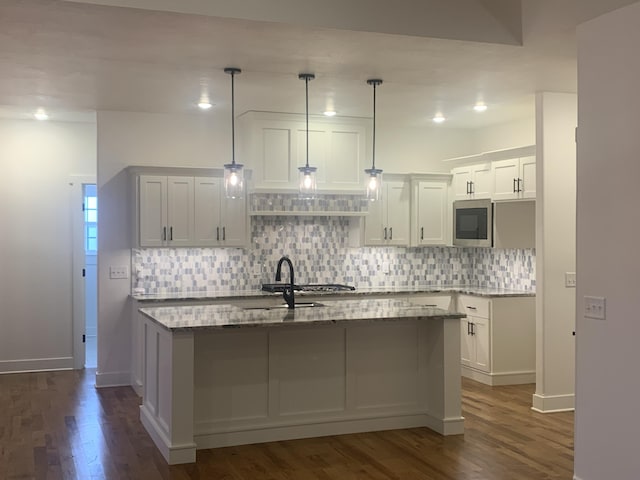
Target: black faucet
288	291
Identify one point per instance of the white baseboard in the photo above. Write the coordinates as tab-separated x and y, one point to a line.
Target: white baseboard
575	477
497	379
553	403
207	436
113	379
36	365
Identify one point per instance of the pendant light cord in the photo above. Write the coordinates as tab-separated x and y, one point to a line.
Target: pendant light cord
374	127
233	121
306	85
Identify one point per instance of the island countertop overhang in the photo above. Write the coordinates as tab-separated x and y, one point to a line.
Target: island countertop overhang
204	317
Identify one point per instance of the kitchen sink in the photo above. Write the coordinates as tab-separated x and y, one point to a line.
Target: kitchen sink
284	305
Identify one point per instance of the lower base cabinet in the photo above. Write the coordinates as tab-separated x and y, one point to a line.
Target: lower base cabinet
498	339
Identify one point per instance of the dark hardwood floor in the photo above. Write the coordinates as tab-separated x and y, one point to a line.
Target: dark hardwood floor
56	425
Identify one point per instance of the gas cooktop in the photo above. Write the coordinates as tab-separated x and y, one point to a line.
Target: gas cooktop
309	287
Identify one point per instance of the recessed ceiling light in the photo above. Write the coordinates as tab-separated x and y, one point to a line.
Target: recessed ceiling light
204	105
41	115
330	113
439	118
480	107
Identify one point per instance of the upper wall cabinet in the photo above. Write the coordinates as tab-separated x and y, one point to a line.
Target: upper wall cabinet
187	211
514	178
273	145
472	182
430	209
388	220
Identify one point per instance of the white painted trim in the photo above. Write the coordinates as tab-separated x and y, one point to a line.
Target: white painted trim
173	454
554	403
113	379
277	432
575	477
498	379
36	365
78	263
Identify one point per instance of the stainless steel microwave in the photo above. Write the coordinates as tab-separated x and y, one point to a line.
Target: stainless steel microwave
473	223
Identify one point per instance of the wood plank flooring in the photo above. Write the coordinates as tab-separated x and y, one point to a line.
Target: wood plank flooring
56	425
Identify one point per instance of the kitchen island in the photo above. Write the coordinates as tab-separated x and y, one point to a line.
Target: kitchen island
221	375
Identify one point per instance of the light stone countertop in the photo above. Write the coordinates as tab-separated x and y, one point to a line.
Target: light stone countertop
199	317
360	291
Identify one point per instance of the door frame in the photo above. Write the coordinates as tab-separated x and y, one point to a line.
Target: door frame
76	183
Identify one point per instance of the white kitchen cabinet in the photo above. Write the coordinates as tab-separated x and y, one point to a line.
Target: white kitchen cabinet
274	146
498	339
219	221
430	213
472	182
514	178
475	346
188	211
166	215
388	220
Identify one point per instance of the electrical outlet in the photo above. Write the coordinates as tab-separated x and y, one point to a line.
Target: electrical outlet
118	272
595	307
570	279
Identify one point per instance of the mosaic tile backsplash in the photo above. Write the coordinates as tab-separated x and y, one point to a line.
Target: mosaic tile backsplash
318	247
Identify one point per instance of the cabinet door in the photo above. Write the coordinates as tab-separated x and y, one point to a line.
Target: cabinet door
460	182
432	226
345	162
396	201
482	345
505	176
208	192
180	220
482	179
374	223
152	213
467	344
234	221
528	177
274	149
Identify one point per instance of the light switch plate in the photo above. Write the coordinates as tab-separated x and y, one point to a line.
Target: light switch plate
118	272
570	279
595	307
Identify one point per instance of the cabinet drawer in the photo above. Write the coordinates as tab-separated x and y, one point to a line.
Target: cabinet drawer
476	306
438	301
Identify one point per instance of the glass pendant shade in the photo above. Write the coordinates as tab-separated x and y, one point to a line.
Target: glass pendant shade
374	184
233	173
233	180
307	182
373	187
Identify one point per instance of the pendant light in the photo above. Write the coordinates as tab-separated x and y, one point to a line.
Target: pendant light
374	179
233	173
307	176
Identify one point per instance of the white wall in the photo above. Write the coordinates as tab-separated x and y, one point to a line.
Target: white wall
517	133
608	261
556	119
36	161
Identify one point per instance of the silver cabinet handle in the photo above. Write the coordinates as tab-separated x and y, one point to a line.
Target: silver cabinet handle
514	185
468	189
519	188
472	188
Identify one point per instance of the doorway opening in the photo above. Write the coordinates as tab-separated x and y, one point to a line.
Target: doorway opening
90	241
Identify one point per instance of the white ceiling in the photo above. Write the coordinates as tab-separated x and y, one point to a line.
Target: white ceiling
73	58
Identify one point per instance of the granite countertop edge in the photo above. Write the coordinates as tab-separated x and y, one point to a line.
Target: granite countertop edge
224	316
364	291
